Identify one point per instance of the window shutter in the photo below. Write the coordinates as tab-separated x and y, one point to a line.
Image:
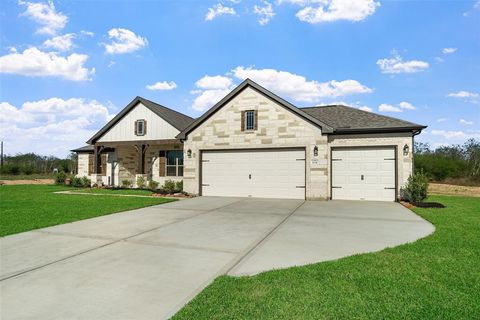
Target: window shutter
162	163
243	121
91	161
144	127
103	162
135	128
255	120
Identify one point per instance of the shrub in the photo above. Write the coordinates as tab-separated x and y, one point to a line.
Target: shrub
179	186
77	182
417	187
60	177
140	182
126	183
169	186
28	170
153	185
86	183
13	169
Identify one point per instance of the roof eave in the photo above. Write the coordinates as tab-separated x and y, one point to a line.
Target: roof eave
379	130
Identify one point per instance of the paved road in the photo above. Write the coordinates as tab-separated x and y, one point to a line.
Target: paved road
147	263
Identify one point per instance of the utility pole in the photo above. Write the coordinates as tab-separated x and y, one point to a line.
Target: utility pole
1	157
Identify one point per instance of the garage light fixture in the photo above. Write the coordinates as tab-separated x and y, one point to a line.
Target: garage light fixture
315	151
189	153
405	150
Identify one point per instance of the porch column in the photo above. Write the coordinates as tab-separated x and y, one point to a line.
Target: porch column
141	148
96	158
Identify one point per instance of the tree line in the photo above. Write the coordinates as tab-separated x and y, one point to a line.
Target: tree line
457	164
31	163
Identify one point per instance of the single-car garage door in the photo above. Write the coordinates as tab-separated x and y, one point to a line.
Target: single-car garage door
363	173
269	173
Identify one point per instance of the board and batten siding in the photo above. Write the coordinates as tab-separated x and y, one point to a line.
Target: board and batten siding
124	130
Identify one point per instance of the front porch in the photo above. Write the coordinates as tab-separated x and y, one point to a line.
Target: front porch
122	163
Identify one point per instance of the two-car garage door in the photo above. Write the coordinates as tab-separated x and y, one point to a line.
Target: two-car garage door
265	173
364	173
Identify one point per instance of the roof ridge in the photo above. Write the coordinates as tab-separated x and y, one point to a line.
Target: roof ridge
161	105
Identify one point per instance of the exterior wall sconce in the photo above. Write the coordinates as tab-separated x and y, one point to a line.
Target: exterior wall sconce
406	149
189	153
315	151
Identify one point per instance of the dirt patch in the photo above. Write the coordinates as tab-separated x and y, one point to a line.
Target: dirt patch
451	189
33	181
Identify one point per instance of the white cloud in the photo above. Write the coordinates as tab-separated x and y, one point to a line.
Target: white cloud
406	105
298	87
60	43
456	135
463	95
208	98
87	33
51	126
466	122
45	14
163	85
365	108
396	65
439	59
388	108
448	50
334	10
124	41
33	62
265	13
214	82
219	10
442	119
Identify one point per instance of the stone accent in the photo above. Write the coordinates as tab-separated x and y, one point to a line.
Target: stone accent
277	128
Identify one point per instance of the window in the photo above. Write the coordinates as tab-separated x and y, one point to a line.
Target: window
140	127
250	120
174	163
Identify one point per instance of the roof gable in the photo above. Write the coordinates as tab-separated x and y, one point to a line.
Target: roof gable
249	83
176	119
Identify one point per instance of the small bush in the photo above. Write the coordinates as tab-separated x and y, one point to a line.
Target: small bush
417	187
28	170
60	177
169	186
126	183
153	185
86	183
77	182
141	182
179	186
12	169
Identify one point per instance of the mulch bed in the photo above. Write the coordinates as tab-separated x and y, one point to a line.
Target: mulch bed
410	205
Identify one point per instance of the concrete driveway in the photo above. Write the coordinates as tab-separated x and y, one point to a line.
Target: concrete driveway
147	263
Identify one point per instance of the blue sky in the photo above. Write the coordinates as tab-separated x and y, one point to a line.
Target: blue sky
67	67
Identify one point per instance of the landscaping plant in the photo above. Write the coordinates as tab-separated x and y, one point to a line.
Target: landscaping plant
60	177
153	185
126	183
141	182
169	186
417	187
179	186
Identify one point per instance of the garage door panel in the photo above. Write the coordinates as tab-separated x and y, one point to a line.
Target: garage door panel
376	167
272	173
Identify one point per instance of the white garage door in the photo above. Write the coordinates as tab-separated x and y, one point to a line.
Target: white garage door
363	174
272	173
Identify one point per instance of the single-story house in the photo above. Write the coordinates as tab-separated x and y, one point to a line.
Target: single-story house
253	143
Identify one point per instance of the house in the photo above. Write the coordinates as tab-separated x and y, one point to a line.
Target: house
253	143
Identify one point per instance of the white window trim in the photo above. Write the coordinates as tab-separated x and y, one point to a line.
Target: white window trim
143	127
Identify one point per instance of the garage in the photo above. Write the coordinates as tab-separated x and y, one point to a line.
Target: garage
363	173
262	173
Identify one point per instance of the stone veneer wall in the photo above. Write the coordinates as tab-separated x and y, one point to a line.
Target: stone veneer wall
404	163
82	165
277	127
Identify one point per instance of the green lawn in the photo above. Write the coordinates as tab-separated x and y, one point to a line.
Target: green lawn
26	176
28	207
434	278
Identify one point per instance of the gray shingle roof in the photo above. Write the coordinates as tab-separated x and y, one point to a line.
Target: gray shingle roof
176	119
348	119
88	148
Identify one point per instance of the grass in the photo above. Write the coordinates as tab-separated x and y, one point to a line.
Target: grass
115	191
28	207
434	278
